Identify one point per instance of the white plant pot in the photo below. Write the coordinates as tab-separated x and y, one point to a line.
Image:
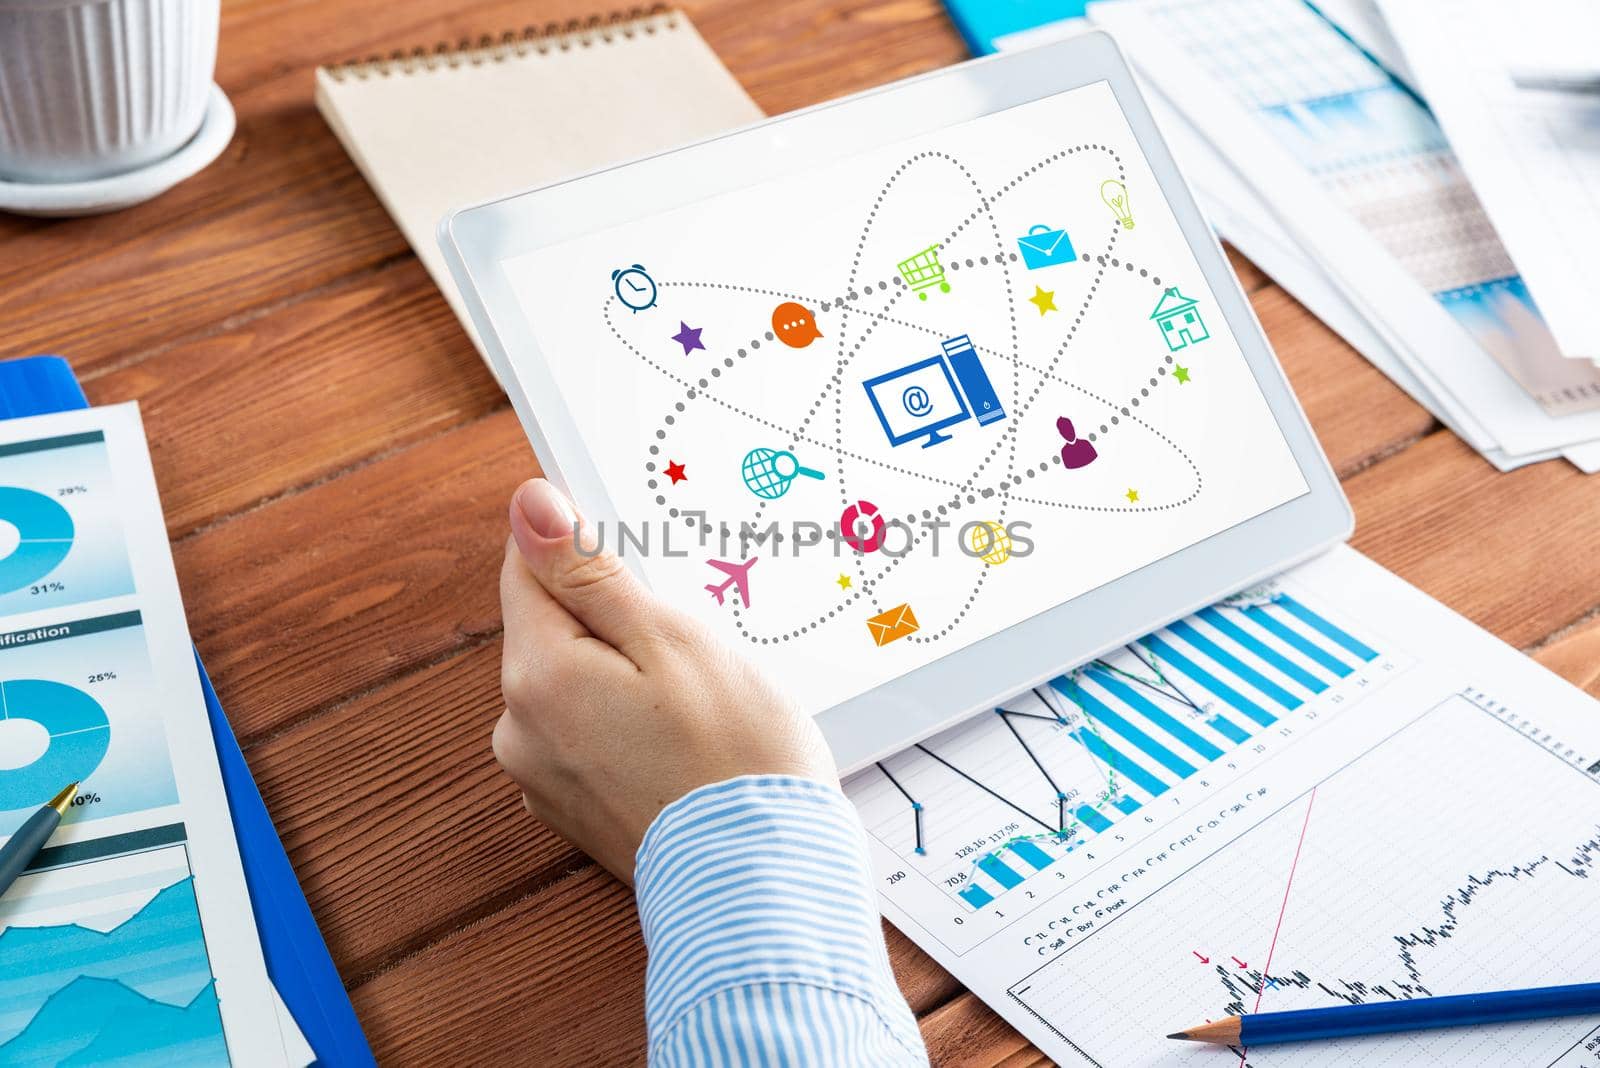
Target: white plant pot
94	88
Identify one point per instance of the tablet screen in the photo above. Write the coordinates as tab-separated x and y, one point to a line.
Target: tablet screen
876	410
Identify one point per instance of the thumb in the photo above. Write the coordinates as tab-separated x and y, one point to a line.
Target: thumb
594	586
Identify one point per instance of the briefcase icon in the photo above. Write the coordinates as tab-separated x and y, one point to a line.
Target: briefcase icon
1044	247
895	623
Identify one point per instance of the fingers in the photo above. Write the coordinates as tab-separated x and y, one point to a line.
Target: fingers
595	590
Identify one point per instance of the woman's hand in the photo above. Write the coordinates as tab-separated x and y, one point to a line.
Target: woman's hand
617	703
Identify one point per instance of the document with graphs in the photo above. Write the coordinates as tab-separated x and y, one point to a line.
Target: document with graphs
131	938
1326	790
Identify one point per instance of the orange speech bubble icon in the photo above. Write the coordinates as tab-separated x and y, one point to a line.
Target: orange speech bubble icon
794	325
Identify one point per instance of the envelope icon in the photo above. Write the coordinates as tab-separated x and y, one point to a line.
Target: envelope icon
1044	247
895	623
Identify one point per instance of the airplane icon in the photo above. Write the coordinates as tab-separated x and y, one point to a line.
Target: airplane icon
738	576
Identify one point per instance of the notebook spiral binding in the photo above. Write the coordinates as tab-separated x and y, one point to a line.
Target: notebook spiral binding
552	37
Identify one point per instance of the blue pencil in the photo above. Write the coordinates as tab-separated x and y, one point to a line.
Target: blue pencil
1382	1017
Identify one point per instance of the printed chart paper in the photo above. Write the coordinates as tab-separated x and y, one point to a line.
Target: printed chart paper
1533	155
1354	167
131	938
1329	789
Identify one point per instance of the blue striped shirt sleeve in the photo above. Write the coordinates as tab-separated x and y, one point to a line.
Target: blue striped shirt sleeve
756	900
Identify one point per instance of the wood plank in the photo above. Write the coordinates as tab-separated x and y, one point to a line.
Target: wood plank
399	821
966	1033
324	594
1574	654
922	980
1251	277
795	55
1445	520
282	211
557	978
1028	1057
371	364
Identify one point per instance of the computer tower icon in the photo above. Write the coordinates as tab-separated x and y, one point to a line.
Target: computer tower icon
922	398
974	380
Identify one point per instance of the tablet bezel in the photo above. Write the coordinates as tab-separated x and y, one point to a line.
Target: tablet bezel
478	240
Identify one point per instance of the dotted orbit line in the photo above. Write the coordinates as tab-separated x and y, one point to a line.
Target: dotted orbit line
985	209
1044	374
868	582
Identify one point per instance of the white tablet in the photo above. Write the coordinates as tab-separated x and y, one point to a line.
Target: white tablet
917	398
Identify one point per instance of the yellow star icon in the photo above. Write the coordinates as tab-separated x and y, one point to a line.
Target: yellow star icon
1043	299
1181	373
844	582
1132	495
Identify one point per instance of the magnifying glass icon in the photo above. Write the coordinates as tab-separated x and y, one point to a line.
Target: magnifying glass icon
785	459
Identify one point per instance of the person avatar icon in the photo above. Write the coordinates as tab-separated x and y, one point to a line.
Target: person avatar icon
1077	452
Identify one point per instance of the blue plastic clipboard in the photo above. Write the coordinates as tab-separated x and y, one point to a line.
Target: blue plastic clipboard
297	958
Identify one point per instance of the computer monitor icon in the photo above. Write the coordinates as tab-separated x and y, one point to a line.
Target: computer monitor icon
921	399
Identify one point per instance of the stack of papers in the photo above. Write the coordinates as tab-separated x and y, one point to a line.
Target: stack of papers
1314	154
1504	94
1327	790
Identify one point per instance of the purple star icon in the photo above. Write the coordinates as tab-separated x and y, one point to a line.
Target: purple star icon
688	337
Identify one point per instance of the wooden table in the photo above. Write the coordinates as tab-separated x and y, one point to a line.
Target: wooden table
335	464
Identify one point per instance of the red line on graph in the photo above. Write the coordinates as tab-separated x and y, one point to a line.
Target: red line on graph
1266	969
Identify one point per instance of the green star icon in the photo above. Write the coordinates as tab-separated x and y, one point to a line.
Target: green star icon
1181	373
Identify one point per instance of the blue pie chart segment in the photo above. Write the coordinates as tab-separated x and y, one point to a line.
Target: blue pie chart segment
79	733
46	530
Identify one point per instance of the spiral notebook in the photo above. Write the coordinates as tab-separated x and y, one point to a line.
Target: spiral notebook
433	130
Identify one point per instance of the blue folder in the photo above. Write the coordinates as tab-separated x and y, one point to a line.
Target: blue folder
981	21
297	958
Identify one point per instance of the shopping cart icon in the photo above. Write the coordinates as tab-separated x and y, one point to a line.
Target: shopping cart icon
924	271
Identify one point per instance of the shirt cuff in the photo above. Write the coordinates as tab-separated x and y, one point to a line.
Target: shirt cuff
761	880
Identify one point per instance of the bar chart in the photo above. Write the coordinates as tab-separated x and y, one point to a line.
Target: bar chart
992	810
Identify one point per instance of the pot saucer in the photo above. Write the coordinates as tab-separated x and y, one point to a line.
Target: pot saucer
100	195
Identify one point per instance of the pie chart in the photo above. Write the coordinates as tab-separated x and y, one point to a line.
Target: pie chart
42	539
79	735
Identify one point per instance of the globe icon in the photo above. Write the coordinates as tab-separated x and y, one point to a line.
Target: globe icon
761	474
990	542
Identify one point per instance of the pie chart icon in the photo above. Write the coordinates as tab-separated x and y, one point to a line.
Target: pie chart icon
79	735
35	536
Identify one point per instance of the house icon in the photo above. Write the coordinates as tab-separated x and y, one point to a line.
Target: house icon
1180	323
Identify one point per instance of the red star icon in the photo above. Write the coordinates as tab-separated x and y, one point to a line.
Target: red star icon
675	472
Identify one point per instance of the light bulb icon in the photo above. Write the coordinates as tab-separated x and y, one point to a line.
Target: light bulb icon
1115	194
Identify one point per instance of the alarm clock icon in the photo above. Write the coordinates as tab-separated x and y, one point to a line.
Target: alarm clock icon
634	287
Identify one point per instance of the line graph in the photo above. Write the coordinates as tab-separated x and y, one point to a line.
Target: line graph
1453	907
990	812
